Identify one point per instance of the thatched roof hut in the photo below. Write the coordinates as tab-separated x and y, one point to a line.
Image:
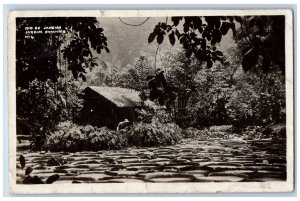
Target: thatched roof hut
107	106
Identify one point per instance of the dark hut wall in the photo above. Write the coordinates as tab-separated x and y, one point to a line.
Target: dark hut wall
99	111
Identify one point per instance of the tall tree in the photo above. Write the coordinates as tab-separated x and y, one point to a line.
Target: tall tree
262	42
135	77
38	54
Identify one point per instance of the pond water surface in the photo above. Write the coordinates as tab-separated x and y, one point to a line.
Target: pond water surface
214	160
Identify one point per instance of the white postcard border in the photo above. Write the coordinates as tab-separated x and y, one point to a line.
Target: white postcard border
286	186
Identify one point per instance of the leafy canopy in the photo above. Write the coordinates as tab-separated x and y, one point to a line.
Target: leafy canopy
38	56
260	38
198	35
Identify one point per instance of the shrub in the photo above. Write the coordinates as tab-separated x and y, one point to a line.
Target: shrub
258	100
222	128
223	132
104	138
195	133
154	134
38	111
42	106
72	137
274	131
253	133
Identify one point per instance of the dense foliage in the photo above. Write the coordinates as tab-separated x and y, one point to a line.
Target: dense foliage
38	111
46	66
154	134
73	137
198	36
220	132
255	36
224	94
37	56
262	38
258	100
135	77
40	108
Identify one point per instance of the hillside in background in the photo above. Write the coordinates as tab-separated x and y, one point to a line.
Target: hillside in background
126	43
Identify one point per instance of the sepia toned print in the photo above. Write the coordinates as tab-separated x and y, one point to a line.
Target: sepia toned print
163	101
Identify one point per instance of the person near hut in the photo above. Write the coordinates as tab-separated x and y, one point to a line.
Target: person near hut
123	124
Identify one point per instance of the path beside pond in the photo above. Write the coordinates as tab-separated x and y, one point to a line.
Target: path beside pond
217	160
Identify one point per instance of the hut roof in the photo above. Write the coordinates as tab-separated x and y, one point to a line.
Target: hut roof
121	97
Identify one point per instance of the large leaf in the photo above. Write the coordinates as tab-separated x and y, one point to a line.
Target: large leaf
216	37
186	27
151	37
106	49
28	170
160	38
22	161
224	28
209	63
232	26
52	179
172	38
74	73
98	50
176	20
203	44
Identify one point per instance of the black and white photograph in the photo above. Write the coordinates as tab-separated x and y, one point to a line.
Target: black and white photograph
166	99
